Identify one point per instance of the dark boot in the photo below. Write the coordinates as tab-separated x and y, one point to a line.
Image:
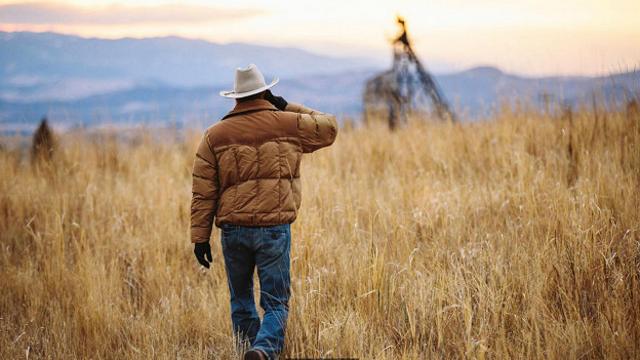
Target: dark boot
254	354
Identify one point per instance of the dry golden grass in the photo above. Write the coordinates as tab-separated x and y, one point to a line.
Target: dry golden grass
517	238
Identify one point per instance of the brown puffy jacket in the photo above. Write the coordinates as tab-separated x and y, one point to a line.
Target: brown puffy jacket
247	167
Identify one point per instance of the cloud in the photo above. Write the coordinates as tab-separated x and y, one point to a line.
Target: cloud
47	13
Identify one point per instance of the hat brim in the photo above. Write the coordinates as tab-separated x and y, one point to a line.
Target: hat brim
234	95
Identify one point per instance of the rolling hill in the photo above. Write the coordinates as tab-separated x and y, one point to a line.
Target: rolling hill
79	81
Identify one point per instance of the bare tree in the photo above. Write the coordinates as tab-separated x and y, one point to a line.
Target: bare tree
44	144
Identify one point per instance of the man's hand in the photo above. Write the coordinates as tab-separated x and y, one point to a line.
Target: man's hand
202	250
277	101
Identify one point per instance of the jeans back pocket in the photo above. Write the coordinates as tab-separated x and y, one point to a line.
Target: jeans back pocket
276	239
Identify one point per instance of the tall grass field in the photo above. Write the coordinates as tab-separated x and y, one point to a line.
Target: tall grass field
513	238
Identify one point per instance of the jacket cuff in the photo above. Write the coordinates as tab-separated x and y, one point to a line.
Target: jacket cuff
200	235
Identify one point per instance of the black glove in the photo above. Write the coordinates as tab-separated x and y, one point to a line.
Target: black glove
277	101
202	250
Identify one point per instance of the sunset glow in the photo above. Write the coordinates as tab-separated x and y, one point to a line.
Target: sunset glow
530	37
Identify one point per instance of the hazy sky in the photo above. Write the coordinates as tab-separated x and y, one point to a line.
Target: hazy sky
526	36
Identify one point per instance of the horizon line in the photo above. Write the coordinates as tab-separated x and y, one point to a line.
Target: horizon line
479	65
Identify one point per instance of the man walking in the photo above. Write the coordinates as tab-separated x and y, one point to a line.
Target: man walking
246	175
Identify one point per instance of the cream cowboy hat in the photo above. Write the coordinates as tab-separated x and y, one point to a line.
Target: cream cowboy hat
249	81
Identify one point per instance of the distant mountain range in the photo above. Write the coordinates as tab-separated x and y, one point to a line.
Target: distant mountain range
80	81
30	61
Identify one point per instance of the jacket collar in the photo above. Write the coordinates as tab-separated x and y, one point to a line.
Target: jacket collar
250	106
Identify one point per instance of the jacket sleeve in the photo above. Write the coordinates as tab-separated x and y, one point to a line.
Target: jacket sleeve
315	129
204	202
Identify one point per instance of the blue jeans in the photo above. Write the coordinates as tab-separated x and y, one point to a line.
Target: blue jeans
267	249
